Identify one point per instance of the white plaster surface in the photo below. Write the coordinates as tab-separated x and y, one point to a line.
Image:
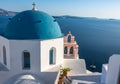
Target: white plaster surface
104	73
82	82
39	59
4	42
87	78
25	79
17	47
77	66
113	69
46	45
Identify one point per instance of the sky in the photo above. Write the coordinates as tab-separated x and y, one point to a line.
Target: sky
81	8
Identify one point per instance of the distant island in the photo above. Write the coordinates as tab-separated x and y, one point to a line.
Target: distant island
6	13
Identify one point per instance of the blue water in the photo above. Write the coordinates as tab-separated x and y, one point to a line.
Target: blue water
3	22
98	39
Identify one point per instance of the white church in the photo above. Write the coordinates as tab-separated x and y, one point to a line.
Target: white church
33	50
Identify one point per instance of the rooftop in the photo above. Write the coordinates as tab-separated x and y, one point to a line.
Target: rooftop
32	24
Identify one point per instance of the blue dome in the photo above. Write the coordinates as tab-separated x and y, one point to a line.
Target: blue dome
32	24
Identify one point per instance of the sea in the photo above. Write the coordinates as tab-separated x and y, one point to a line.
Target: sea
98	39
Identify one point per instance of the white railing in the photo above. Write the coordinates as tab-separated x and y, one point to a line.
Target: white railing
82	82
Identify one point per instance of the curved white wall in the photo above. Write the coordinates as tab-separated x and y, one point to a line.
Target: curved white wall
113	69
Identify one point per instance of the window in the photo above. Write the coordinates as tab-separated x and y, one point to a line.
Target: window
4	56
65	50
52	56
69	38
71	50
26	60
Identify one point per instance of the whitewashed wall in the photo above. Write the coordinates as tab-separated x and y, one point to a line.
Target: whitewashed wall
4	42
104	73
46	45
39	56
17	47
113	69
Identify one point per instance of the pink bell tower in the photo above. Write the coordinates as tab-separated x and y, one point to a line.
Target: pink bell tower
70	47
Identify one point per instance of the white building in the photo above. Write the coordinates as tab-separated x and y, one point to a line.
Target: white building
32	50
31	43
111	72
